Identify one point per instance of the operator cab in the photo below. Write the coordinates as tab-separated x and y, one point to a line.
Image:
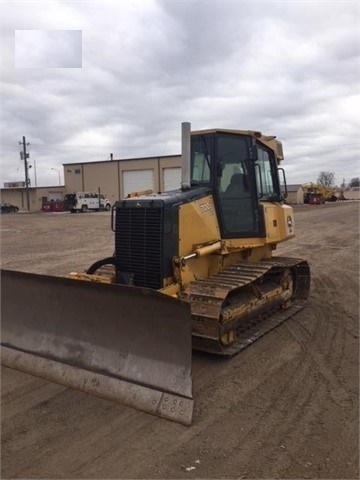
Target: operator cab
241	172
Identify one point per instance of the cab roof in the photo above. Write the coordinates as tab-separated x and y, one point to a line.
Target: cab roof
269	141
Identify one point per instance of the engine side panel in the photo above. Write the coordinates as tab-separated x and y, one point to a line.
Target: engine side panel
198	224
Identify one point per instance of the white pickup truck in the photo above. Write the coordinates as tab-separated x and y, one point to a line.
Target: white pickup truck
86	201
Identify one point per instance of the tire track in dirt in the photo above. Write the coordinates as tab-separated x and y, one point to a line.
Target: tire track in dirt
233	403
298	401
49	432
319	360
94	440
184	437
310	368
264	402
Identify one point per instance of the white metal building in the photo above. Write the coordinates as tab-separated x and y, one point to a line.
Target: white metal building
115	178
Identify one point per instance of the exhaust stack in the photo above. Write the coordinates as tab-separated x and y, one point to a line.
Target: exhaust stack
185	155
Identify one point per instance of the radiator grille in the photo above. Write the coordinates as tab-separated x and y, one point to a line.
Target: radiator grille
139	244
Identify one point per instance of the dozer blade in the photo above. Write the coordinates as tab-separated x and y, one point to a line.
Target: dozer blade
127	344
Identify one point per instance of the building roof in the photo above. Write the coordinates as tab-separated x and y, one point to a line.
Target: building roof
32	188
157	157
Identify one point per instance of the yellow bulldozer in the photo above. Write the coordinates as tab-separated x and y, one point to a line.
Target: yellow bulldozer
192	268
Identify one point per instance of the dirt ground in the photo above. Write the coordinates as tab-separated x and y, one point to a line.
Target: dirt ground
286	407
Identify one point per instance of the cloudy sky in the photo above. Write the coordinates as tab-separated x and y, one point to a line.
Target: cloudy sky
83	79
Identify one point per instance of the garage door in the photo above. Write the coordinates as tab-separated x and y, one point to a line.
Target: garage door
172	178
55	196
138	180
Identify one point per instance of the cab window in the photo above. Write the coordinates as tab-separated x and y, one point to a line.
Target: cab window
236	201
201	171
266	175
201	148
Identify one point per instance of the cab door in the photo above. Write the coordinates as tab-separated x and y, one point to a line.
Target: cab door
237	199
266	174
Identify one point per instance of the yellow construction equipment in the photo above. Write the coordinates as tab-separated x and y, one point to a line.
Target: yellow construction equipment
315	193
192	268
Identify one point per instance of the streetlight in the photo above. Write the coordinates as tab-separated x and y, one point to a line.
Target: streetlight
58	171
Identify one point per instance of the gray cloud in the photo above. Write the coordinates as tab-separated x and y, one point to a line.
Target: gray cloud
48	49
288	69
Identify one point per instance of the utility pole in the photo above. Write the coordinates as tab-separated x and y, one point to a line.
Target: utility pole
35	173
26	155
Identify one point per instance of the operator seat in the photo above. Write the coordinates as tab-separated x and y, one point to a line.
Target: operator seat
237	186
